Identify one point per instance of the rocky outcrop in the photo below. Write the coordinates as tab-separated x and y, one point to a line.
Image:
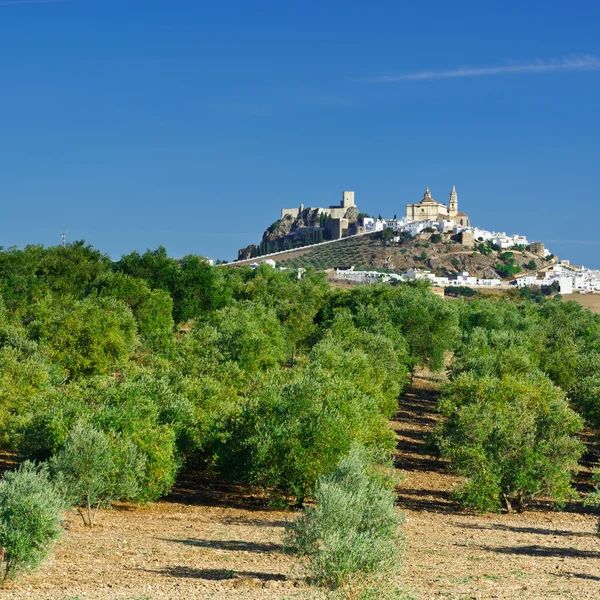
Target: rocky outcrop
287	232
248	252
352	213
309	217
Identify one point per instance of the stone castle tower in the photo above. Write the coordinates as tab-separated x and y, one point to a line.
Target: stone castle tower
453	203
348	200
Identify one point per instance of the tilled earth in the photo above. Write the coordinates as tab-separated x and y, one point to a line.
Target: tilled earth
451	553
212	540
167	550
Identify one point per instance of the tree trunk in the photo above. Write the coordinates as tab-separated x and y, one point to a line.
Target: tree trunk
509	507
3	574
95	512
89	511
82	515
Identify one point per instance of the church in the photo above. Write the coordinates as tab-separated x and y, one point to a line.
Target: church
430	210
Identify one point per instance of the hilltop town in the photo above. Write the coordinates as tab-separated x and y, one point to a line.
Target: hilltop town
455	252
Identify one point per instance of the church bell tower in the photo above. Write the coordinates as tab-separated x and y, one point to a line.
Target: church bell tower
453	203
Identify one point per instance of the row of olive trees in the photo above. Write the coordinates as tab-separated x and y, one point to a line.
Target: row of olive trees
227	388
270	379
523	382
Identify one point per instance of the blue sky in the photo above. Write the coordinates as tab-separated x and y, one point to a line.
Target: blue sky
190	123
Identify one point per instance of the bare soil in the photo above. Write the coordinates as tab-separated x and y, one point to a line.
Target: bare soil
214	540
591	301
452	553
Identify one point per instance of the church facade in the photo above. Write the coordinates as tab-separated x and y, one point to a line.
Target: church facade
430	210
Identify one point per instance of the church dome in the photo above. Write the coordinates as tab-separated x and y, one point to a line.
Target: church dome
427	199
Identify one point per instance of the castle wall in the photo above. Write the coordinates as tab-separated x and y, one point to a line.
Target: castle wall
337	228
335	212
466	238
289	211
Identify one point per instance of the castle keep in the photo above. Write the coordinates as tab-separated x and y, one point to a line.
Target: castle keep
345	210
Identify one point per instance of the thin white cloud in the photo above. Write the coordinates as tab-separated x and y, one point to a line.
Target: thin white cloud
18	2
580	62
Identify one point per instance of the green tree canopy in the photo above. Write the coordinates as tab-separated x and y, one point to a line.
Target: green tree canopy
512	438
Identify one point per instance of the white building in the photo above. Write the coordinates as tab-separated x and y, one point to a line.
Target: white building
463	278
372	225
565	285
489	282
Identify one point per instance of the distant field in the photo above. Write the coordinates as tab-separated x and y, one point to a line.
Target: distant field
591	301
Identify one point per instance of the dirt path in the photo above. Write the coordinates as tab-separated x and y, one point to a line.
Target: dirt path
454	554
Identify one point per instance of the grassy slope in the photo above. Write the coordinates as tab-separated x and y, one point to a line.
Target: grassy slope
372	253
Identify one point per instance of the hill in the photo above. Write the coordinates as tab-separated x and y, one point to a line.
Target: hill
442	254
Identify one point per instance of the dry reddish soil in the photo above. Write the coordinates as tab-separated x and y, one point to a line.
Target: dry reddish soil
212	540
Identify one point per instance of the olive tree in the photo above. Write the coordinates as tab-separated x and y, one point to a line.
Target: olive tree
351	536
512	438
87	337
295	427
94	470
31	518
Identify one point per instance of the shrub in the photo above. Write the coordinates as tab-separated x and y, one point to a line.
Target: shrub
152	309
459	290
513	439
352	532
295	427
140	412
251	335
31	518
144	410
371	362
23	375
494	353
531	265
94	471
507	270
87	337
586	396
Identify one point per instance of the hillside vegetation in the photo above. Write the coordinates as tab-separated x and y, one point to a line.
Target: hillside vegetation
438	253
